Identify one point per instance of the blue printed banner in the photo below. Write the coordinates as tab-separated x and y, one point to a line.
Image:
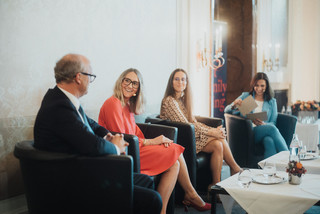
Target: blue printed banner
219	70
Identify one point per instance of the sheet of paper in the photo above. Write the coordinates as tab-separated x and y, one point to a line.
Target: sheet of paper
247	105
259	115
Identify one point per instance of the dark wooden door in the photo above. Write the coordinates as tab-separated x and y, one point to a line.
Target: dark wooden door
241	59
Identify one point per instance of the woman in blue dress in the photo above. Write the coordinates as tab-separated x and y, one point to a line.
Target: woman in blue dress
263	95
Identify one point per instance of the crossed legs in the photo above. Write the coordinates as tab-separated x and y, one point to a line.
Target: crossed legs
168	180
271	138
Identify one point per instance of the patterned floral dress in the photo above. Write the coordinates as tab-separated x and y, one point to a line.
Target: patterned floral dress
173	109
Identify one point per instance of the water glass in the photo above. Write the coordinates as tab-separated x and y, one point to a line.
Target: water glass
302	152
245	178
269	169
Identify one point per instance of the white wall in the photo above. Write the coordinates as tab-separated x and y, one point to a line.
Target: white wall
153	36
193	24
114	35
304	49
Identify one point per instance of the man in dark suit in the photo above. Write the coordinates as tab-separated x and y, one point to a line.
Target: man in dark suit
62	126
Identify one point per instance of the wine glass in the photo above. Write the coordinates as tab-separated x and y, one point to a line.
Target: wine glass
269	169
245	178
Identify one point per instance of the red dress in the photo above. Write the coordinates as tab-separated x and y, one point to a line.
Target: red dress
154	159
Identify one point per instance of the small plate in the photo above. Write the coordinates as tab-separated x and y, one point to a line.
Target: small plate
261	179
309	156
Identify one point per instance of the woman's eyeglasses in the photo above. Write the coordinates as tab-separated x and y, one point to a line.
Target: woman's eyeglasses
182	79
127	82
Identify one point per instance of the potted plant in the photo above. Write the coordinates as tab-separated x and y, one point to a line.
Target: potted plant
295	171
306	111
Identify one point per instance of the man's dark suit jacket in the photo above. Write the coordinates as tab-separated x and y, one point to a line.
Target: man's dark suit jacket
59	128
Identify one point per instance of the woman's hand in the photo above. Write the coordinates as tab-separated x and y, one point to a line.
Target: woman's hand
237	103
218	132
159	140
258	122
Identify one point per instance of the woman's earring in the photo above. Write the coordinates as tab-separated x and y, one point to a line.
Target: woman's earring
134	95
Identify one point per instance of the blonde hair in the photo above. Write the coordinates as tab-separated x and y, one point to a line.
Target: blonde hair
136	103
187	96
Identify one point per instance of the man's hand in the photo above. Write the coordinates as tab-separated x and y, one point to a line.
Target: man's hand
117	140
108	137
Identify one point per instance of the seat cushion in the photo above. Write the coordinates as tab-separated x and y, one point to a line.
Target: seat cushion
203	160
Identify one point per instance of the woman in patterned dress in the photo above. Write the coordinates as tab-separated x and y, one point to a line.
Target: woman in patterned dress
177	106
158	155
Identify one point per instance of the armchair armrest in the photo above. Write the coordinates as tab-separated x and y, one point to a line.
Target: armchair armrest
287	126
154	120
240	137
210	121
155	130
133	150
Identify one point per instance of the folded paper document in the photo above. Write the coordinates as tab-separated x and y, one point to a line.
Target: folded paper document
259	115
247	105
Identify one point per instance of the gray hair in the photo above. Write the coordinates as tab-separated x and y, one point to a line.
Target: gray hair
68	67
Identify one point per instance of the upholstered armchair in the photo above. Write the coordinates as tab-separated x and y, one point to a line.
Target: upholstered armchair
198	164
66	183
241	139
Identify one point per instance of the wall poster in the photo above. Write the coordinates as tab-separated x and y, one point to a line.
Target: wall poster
218	83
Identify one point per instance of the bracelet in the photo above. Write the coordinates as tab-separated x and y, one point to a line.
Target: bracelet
144	142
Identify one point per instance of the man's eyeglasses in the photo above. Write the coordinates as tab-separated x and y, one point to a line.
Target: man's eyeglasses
127	81
91	76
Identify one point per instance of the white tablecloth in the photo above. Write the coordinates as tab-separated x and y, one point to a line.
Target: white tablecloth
309	135
281	160
277	198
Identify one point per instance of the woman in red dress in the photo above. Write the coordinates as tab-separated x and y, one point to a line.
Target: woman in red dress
157	155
